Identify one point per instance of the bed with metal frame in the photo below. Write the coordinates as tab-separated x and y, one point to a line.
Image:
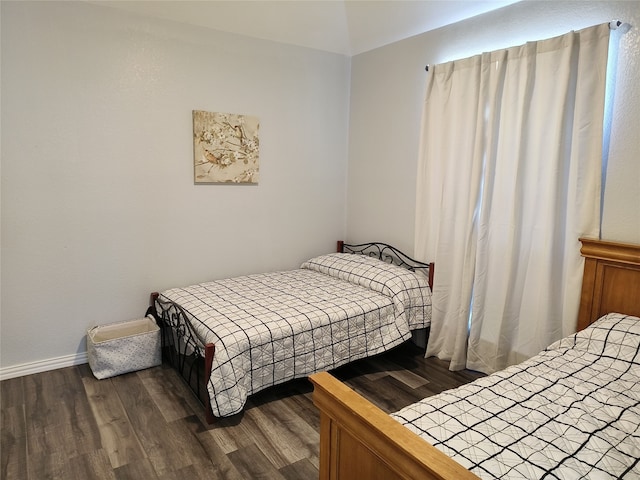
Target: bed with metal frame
192	358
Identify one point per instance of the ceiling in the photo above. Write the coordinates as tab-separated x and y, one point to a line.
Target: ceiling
348	27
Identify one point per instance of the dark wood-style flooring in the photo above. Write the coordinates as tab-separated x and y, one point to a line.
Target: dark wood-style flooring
65	424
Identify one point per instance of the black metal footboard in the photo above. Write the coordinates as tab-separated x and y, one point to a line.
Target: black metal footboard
182	348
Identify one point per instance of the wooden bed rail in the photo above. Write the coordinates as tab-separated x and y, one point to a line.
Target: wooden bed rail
360	441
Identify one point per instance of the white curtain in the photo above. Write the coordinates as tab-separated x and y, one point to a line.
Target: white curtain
508	180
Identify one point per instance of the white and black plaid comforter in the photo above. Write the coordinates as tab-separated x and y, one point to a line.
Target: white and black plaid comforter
571	412
273	327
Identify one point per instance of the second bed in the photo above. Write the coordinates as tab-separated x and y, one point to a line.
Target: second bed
273	327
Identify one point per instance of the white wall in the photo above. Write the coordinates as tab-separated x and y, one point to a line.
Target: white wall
99	207
98	202
387	93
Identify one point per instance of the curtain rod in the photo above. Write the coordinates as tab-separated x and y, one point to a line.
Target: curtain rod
613	25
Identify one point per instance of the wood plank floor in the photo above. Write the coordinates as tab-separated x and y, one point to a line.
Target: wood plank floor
65	424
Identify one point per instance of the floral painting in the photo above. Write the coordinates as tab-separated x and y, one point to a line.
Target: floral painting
225	148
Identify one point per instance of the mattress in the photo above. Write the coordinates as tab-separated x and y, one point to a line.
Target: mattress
571	412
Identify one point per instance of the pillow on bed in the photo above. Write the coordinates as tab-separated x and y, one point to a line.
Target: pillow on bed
408	290
366	271
614	335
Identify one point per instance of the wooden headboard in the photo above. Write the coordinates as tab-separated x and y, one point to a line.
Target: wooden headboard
611	281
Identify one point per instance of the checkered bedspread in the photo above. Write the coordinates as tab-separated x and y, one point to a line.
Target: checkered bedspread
273	327
571	412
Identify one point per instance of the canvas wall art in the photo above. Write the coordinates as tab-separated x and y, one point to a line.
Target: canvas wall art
225	148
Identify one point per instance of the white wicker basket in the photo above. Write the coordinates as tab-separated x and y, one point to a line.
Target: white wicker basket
123	347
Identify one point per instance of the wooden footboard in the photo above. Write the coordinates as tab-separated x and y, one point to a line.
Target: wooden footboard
358	440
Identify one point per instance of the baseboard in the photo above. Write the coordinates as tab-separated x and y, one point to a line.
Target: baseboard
43	366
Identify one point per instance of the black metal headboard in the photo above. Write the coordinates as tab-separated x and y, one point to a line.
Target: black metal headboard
389	254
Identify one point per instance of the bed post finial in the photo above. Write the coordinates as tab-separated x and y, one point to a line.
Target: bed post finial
431	273
340	246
